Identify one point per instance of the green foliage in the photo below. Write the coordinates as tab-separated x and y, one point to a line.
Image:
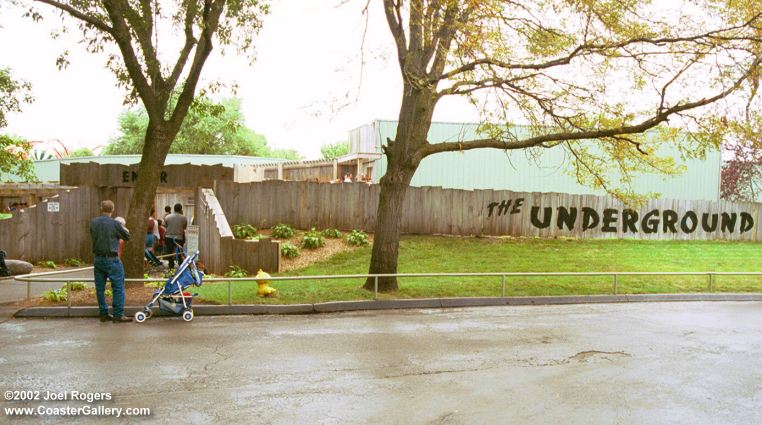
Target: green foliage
74	262
245	231
14	158
331	233
236	271
313	239
55	295
357	238
48	264
77	286
13	150
209	128
12	94
155	284
335	150
60	295
283	231
81	152
289	250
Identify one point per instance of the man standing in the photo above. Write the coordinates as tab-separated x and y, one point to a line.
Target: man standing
175	236
106	233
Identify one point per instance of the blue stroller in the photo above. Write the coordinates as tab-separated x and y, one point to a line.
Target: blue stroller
172	297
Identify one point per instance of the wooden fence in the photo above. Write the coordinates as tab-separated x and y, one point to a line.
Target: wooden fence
219	248
53	230
58	227
433	210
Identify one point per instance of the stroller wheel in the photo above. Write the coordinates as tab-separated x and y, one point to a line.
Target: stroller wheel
140	317
188	315
148	313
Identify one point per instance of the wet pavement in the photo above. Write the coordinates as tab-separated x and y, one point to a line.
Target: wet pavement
14	290
644	363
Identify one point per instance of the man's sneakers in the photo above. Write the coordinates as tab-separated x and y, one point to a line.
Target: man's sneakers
106	317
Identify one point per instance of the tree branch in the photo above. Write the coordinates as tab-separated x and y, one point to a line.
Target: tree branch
123	39
79	15
211	19
659	117
586	48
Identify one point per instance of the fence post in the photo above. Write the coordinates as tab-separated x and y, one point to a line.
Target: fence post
502	291
710	282
28	290
375	288
230	293
616	285
68	298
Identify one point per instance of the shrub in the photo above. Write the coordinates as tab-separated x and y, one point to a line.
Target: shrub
313	239
76	286
236	271
74	262
289	250
50	264
357	238
55	295
155	284
283	231
245	231
331	233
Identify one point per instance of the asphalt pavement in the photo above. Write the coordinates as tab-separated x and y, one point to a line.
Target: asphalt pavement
633	363
14	290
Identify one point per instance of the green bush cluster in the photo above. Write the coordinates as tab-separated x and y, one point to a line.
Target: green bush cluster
289	250
236	271
49	264
357	238
283	231
245	231
74	262
313	239
331	233
59	295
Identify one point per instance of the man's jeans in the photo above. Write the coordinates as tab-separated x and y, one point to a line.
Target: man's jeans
109	268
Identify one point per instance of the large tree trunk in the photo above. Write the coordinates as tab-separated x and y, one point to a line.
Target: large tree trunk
402	160
157	143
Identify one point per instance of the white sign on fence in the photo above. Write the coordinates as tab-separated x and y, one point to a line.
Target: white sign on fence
54	206
191	239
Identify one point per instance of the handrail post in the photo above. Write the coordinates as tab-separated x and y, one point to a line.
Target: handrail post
502	290
230	293
616	285
68	298
710	282
375	288
28	290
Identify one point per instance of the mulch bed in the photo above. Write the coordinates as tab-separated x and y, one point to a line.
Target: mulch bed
86	297
308	256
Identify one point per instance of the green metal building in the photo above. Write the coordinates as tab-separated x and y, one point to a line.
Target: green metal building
516	171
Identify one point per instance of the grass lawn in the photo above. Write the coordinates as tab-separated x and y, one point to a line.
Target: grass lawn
421	254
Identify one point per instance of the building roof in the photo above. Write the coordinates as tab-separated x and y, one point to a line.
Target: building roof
48	170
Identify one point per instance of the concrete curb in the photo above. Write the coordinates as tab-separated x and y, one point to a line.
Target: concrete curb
339	306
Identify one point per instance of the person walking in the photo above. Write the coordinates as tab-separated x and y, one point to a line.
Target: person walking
175	236
152	231
106	234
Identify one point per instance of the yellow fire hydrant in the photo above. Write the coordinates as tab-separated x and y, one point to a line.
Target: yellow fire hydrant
264	290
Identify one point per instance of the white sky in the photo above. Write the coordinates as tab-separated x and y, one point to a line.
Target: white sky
307	56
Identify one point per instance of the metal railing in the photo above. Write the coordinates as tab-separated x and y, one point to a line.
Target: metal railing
504	276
